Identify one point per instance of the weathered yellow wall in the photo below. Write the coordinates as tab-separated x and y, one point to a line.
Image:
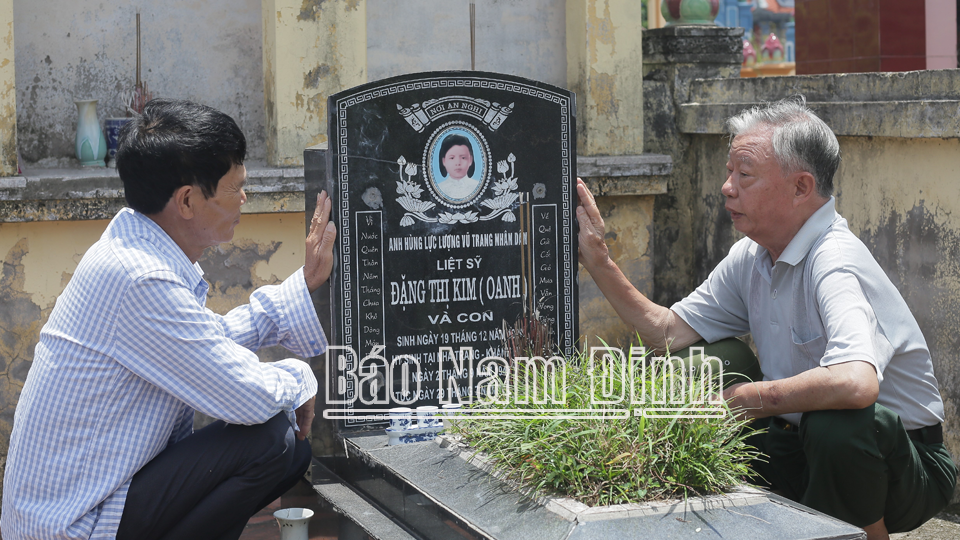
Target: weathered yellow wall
40	257
311	49
603	68
901	198
8	93
628	222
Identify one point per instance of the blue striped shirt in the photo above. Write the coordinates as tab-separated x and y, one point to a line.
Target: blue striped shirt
128	354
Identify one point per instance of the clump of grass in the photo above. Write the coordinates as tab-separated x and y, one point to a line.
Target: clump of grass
601	460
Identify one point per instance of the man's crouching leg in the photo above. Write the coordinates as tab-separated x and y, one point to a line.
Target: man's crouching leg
209	484
864	467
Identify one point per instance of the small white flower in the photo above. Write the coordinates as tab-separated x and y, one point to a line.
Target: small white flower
402	161
502	166
411	169
511	158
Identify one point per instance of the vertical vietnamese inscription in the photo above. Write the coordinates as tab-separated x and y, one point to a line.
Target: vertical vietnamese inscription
370	279
545	269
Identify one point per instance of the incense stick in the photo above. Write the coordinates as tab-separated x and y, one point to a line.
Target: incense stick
138	48
473	36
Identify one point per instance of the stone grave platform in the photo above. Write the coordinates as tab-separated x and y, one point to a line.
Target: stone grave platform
439	490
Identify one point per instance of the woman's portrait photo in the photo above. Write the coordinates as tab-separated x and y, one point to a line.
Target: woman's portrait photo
457	165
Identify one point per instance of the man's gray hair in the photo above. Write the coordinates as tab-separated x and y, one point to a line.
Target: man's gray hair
801	140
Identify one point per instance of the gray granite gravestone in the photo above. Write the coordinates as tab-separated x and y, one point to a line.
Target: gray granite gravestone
454	196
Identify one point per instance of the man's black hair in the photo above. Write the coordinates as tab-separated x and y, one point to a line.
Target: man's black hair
176	143
450	142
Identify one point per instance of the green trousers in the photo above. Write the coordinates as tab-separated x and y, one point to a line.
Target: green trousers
855	465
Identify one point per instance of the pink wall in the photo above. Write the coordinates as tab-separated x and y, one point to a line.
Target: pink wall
941	18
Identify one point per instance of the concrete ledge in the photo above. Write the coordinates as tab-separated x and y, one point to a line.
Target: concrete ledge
943	84
643	174
693	45
619	166
97	193
917	104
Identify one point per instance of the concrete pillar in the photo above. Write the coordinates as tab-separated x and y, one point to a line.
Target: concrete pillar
311	49
603	68
673	57
8	93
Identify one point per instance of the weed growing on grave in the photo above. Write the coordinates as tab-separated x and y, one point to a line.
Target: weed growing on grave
601	460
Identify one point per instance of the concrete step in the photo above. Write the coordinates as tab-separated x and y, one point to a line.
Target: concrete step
361	517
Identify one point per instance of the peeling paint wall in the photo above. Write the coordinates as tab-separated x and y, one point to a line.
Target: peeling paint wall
208	52
628	222
604	56
8	93
516	37
311	49
40	257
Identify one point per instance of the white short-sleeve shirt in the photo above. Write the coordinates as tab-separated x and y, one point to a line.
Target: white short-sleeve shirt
825	301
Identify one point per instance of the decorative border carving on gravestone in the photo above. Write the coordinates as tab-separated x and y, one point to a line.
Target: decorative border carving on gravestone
425	260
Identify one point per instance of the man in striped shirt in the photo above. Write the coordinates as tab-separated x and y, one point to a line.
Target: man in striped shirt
103	443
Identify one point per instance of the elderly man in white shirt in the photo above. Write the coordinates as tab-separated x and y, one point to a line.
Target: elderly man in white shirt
847	391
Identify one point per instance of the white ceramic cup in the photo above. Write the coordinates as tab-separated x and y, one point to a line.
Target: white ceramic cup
294	523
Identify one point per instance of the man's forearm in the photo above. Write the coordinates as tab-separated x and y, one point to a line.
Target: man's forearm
851	385
658	326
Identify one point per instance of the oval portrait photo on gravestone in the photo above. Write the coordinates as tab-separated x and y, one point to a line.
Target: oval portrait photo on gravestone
456	159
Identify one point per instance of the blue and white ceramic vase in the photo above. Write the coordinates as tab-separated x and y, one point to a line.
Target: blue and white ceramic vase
112	126
91	144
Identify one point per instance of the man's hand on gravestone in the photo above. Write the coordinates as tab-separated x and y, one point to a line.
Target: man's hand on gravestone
305	414
319	261
593	249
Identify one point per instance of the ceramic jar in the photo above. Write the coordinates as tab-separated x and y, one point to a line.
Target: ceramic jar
690	11
112	127
90	142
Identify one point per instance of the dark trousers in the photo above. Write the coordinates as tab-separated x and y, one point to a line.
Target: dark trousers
209	484
854	465
858	465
